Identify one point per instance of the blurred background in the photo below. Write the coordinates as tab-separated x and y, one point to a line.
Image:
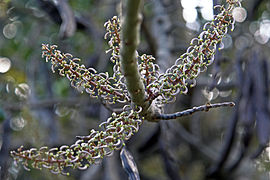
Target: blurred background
40	108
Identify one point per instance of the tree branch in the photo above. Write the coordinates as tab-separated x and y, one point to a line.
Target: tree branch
187	112
68	25
49	103
129	64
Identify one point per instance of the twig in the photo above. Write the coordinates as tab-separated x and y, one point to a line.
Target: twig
187	112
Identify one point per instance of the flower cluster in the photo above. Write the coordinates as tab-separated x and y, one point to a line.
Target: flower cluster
113	29
87	149
120	127
149	73
198	56
96	84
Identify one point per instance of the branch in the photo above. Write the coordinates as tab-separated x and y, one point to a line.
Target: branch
49	103
187	112
160	28
68	25
216	169
166	147
193	141
6	143
129	64
60	12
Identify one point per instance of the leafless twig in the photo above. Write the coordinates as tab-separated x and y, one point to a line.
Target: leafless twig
187	112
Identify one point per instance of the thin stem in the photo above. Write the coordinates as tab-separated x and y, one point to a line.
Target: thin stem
187	112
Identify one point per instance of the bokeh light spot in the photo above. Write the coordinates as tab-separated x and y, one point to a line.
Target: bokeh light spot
189	4
254	26
265	27
227	41
17	123
261	38
190	15
239	14
191	8
10	30
61	111
207	13
5	64
243	41
225	93
22	91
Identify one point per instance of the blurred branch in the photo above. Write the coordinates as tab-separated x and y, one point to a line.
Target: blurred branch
50	103
247	118
61	13
255	105
163	42
167	151
149	38
259	74
50	8
68	25
129	164
215	170
161	26
254	9
46	116
4	148
187	112
193	141
245	141
226	149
